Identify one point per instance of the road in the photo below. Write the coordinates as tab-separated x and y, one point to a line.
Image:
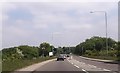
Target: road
78	64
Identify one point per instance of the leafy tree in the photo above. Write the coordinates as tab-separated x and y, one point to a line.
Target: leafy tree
45	48
55	51
94	45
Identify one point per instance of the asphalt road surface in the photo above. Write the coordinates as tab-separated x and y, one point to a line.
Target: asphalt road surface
78	64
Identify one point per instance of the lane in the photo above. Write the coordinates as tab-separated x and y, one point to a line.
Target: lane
76	64
58	66
105	66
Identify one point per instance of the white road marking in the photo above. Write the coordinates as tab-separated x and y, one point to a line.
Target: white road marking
84	70
89	64
94	66
76	66
106	70
68	61
99	68
86	64
83	63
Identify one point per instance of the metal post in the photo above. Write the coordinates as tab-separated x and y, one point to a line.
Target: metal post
106	32
105	26
82	50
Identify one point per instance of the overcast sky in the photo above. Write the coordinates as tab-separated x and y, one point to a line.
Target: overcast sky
58	23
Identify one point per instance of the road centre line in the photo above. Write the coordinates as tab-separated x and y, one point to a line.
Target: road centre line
106	70
89	65
76	66
76	60
99	68
85	70
92	65
69	61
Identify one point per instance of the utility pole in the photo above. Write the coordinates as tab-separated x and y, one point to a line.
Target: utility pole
105	14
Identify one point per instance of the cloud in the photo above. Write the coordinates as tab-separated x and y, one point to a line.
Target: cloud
39	26
70	23
59	0
78	26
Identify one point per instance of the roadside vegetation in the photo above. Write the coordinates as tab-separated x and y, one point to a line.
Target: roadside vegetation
15	64
95	47
18	57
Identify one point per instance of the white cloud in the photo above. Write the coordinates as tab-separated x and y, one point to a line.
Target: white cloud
78	26
40	26
16	32
69	22
59	0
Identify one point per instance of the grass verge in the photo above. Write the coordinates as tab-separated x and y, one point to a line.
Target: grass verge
102	57
11	65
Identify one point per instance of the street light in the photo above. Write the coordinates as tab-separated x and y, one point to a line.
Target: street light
105	13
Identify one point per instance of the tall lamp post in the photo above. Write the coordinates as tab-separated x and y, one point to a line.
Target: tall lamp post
105	13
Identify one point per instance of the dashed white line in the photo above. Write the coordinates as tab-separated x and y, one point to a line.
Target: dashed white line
76	66
84	70
68	61
106	70
83	63
93	66
88	64
71	63
99	68
77	61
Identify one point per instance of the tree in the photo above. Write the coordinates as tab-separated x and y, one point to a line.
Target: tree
95	45
55	51
45	48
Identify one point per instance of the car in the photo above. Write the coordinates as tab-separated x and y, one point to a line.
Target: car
68	56
60	57
64	55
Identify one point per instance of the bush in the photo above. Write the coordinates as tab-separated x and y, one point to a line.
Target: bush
11	65
88	52
29	52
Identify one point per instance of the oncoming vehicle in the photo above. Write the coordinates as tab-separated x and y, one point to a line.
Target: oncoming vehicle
60	57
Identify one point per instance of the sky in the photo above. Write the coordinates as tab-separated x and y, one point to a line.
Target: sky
58	23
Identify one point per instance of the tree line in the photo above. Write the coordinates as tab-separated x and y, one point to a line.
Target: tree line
27	52
94	46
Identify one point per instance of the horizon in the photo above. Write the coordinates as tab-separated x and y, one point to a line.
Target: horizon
52	45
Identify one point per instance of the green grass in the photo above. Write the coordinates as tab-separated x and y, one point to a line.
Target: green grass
112	54
102	57
11	65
